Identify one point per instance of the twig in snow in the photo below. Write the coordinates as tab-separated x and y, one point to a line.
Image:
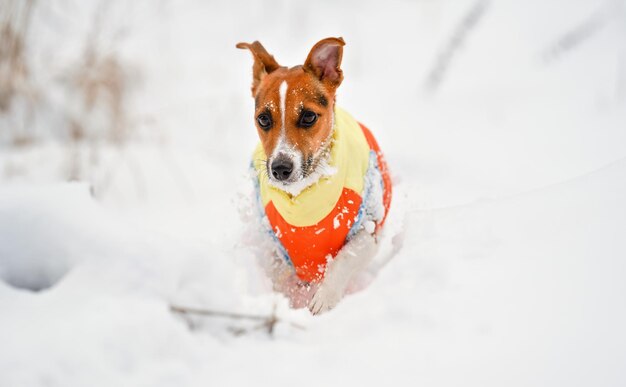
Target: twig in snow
267	322
576	36
466	25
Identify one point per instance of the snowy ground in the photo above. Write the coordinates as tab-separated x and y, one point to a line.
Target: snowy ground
510	203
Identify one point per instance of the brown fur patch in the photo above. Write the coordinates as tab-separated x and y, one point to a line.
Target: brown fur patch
304	92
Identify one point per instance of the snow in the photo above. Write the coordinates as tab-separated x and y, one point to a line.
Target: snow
502	259
25	216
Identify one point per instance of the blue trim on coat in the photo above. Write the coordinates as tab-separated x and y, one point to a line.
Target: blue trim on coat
263	216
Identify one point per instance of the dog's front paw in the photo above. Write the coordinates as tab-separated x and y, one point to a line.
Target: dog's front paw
326	298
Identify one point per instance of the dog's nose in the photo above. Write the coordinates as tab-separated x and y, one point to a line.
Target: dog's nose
282	168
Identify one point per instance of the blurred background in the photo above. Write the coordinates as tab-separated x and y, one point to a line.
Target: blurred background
125	140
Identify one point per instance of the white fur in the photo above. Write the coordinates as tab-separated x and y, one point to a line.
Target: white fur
350	260
323	169
295	188
282	92
283	147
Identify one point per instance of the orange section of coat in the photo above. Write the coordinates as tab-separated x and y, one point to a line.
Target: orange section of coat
310	247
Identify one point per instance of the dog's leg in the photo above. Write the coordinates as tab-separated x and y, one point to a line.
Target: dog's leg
351	259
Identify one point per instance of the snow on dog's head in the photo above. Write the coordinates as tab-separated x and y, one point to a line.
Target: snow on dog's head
294	112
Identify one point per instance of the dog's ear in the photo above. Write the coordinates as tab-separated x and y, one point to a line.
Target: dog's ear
324	61
264	63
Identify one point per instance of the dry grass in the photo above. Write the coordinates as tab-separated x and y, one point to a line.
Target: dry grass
14	21
95	87
15	18
459	36
102	83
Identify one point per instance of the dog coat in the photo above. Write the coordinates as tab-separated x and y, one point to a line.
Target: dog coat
313	226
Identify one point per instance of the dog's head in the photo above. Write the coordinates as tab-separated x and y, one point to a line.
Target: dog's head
294	109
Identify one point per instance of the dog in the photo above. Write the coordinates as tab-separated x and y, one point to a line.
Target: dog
322	182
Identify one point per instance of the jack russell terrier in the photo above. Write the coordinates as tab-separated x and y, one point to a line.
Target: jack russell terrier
322	182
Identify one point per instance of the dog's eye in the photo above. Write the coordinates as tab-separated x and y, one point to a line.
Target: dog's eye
264	120
307	119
